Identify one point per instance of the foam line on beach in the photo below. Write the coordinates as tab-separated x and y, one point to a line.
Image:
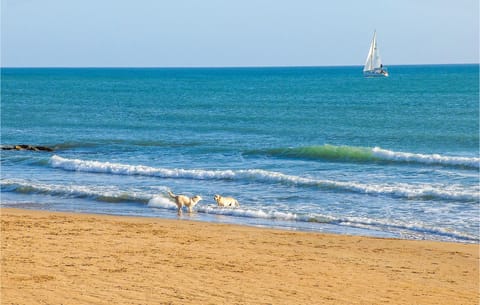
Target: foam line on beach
416	230
162	201
402	190
413	230
365	154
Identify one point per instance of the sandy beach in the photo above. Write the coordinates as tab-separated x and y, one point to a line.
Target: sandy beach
63	258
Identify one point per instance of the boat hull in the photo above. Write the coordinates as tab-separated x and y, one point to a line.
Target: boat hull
375	73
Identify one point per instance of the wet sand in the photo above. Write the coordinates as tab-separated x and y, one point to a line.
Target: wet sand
65	258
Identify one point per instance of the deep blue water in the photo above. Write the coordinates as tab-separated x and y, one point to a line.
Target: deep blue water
317	148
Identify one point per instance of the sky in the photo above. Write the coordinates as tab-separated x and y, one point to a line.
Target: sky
222	33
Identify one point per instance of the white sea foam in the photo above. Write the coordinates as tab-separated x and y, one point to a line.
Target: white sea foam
251	213
162	202
403	190
425	158
166	203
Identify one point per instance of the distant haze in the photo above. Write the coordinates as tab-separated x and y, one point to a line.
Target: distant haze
216	33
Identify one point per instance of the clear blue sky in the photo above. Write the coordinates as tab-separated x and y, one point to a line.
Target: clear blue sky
191	33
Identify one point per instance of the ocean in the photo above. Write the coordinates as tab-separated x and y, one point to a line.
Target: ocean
318	149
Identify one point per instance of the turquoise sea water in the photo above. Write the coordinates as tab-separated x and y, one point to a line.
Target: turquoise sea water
318	148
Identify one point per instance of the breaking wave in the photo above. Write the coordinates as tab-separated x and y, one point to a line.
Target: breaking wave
426	158
104	194
402	190
363	154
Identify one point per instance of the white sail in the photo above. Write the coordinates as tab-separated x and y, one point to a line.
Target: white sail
369	62
373	63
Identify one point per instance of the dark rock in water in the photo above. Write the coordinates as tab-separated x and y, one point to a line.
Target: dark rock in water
26	147
40	148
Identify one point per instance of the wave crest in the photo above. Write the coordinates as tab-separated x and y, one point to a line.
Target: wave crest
364	154
390	155
402	190
104	194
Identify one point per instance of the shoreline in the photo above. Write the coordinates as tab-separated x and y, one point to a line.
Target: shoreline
327	228
51	257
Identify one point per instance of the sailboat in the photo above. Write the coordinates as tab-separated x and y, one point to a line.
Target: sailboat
373	65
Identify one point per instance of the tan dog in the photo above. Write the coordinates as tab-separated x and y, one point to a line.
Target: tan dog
225	201
182	200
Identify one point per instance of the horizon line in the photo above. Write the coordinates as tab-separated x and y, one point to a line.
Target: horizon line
224	67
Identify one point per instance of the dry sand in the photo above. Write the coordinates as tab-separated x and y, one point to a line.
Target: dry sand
61	258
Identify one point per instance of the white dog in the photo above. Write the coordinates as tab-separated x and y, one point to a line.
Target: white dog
182	200
225	201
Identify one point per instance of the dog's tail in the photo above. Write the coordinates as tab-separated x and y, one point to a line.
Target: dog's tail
171	194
